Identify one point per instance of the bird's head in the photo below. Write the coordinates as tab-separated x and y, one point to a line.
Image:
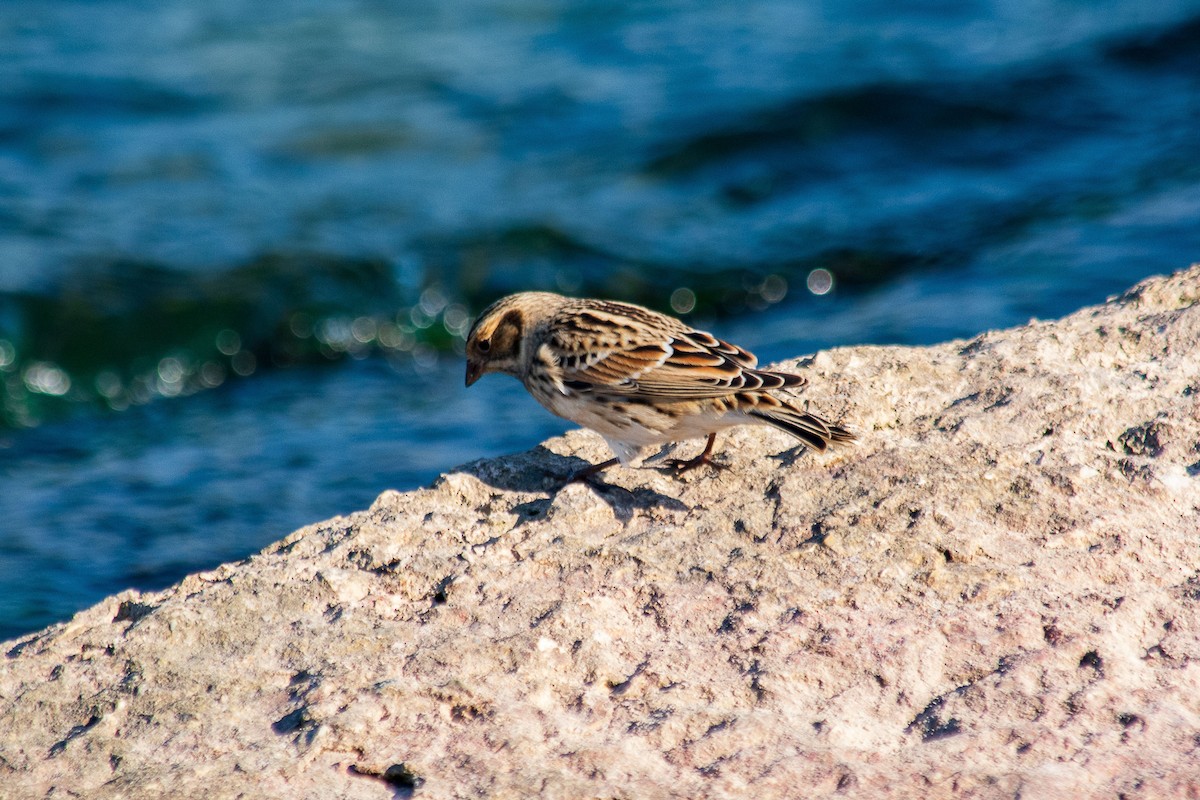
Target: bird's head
497	339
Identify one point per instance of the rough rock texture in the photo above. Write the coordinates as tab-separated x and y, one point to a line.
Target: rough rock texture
996	594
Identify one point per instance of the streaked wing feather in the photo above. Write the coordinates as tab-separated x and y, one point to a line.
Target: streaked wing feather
630	351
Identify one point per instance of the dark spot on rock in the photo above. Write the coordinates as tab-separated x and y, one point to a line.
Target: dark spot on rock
17	649
931	725
717	727
651	723
1132	470
999	397
1022	487
303	676
1191	588
1147	439
74	733
291	722
623	686
1092	660
972	347
817	536
756	673
439	591
403	780
468	712
132	611
545	615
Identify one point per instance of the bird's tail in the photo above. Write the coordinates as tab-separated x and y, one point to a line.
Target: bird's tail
809	428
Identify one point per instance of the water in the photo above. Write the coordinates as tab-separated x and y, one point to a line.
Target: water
239	243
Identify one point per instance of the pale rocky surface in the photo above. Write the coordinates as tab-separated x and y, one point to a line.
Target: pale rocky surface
996	594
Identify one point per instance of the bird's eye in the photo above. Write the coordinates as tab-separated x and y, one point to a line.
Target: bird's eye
484	345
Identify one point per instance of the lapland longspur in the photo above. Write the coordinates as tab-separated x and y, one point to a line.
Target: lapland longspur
636	377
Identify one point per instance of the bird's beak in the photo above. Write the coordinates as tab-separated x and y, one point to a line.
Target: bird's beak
474	370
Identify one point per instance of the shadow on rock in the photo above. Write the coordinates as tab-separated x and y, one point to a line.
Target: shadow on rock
789	457
536	470
540	470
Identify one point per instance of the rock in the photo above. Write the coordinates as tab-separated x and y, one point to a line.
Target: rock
996	593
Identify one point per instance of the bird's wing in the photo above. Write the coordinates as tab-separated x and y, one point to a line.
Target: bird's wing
618	349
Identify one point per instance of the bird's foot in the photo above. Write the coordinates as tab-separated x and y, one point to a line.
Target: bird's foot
680	466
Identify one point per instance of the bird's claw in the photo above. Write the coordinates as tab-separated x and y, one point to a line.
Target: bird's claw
680	465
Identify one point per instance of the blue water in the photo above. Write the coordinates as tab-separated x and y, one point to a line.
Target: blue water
239	243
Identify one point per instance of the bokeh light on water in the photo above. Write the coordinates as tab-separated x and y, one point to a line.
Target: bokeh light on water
820	281
683	300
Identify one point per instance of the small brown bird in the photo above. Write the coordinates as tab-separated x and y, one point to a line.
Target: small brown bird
636	377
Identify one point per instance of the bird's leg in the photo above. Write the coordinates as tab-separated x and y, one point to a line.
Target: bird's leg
588	472
681	466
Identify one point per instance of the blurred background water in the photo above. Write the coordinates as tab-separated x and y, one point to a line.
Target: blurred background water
240	242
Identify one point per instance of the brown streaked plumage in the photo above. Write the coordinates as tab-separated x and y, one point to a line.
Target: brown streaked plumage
635	376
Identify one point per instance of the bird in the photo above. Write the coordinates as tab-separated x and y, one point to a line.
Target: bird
635	376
